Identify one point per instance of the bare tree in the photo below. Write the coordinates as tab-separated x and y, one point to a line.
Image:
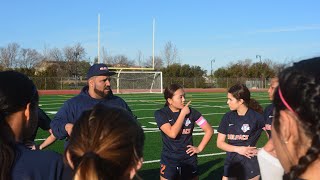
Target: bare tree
29	58
106	57
140	58
74	53
158	62
170	53
8	55
122	61
55	54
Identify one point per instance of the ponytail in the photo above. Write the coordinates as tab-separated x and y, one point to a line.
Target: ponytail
253	104
7	153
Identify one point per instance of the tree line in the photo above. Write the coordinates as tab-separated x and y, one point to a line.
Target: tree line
71	61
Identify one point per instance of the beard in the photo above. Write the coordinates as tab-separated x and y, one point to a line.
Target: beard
103	93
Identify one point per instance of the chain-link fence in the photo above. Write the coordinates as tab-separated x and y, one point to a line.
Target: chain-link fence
65	83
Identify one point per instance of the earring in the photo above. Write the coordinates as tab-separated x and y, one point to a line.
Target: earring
285	141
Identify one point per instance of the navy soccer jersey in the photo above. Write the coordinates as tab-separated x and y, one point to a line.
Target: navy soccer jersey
242	130
174	150
268	116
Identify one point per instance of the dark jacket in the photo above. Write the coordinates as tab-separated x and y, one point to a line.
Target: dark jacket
73	108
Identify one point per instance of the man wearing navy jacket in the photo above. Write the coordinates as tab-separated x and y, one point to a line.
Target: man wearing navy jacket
97	91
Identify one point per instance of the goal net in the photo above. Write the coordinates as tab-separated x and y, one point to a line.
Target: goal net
137	82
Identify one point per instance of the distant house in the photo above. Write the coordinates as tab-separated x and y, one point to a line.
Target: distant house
44	65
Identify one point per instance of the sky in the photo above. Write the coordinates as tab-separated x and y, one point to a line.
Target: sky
206	33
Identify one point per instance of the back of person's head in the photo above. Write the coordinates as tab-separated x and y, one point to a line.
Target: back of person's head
273	85
169	91
240	91
105	143
299	93
16	92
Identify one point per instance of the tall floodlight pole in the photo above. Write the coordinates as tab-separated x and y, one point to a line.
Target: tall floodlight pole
213	60
99	38
153	43
258	56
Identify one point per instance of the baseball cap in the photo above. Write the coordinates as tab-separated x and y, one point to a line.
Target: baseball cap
99	70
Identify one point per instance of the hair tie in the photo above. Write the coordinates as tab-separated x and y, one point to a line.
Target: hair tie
90	154
284	101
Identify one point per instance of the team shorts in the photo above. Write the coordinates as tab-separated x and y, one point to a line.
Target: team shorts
241	167
186	170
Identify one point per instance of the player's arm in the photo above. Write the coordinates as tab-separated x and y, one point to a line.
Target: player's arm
60	125
48	141
243	150
208	132
173	131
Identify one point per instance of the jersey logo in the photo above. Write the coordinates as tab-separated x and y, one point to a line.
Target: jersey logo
170	120
231	125
270	116
245	127
187	122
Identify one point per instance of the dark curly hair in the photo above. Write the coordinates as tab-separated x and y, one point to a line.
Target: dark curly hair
300	87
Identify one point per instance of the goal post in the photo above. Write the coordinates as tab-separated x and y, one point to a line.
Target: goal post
138	81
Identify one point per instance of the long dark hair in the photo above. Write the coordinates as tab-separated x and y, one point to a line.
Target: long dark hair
240	91
16	91
169	92
104	143
299	86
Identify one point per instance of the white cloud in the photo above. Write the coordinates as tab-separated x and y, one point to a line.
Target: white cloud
290	29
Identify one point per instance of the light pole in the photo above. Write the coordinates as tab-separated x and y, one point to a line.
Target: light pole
259	57
213	60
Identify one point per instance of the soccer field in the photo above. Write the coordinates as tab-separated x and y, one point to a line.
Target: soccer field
211	105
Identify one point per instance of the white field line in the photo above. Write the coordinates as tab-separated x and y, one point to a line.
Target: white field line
200	155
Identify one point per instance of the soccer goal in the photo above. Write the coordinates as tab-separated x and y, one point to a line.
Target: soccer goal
138	81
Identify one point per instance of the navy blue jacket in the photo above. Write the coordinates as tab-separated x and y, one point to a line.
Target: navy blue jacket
38	165
73	108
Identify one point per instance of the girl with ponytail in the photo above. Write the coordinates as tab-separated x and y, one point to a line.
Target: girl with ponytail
242	127
105	143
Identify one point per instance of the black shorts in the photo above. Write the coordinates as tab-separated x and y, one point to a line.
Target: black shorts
241	167
186	170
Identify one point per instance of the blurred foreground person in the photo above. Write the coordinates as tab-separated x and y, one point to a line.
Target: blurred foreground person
18	122
267	158
296	124
105	143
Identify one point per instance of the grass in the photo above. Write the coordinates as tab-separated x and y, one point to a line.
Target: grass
211	105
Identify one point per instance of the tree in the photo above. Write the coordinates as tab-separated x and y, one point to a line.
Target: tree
73	55
55	54
158	63
8	55
170	53
29	58
106	58
140	58
122	61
